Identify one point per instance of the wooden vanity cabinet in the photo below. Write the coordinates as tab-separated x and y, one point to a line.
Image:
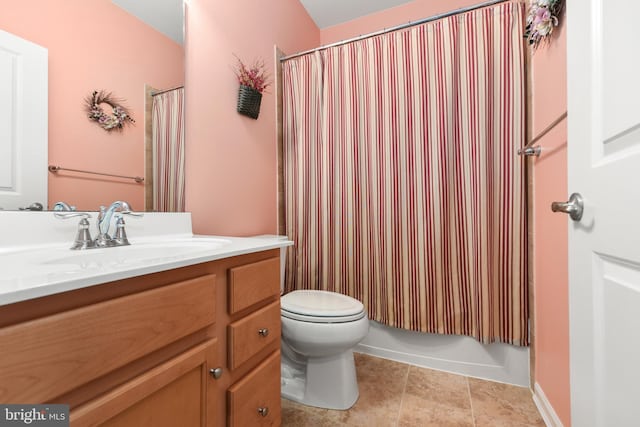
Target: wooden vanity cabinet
141	351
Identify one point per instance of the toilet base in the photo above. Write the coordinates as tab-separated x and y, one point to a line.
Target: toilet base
327	382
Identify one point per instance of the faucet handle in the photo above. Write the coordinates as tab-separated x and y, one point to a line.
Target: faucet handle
73	214
125	209
83	237
121	235
131	213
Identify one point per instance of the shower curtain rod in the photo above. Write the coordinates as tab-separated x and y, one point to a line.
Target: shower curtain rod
166	90
396	28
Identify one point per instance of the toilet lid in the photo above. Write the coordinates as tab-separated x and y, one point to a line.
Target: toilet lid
321	304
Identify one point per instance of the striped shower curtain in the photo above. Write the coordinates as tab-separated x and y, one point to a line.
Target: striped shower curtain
167	137
402	184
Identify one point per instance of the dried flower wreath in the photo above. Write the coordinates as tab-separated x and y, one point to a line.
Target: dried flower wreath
109	122
542	18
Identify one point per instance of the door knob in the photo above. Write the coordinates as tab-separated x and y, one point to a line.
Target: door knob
35	206
574	207
263	332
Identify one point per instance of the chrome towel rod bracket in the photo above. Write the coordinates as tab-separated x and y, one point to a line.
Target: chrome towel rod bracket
530	151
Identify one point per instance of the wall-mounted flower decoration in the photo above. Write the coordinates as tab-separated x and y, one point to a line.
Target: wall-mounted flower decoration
119	116
253	81
254	76
542	18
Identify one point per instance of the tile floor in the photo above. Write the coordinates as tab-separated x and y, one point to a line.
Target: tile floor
394	394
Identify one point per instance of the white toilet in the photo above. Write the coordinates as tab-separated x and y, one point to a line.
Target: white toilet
319	331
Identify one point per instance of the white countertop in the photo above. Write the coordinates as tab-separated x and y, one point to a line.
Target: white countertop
32	268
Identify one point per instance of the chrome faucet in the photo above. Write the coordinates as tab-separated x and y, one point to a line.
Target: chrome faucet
83	237
104	223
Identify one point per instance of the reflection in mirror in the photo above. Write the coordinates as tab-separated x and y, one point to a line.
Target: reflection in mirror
98	45
166	192
23	122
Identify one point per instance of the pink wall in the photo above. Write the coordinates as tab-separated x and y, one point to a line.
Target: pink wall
412	11
550	230
95	45
231	175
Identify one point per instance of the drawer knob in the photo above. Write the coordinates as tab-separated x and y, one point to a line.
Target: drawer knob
263	332
216	373
263	411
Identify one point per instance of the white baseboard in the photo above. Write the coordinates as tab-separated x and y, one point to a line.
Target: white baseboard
547	413
452	353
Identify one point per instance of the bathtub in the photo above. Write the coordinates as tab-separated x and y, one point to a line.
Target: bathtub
452	353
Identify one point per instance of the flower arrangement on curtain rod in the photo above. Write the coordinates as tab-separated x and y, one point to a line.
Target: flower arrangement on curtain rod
542	18
253	81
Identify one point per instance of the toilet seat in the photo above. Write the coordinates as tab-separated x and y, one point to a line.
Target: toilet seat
322	319
321	307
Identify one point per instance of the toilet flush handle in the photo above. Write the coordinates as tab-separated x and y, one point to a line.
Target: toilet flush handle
263	332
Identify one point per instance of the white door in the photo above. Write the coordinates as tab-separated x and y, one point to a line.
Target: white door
604	246
23	122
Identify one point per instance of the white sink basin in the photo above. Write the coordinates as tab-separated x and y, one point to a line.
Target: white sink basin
136	253
56	263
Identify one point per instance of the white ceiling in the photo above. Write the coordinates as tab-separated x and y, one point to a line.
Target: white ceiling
166	16
327	13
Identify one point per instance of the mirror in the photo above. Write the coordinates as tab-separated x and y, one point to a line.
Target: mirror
107	45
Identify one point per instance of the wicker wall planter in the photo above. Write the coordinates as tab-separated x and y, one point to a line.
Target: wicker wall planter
249	101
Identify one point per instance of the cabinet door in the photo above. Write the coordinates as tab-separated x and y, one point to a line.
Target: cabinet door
175	393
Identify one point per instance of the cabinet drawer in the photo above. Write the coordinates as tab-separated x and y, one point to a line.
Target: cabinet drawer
252	283
55	354
253	333
255	399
